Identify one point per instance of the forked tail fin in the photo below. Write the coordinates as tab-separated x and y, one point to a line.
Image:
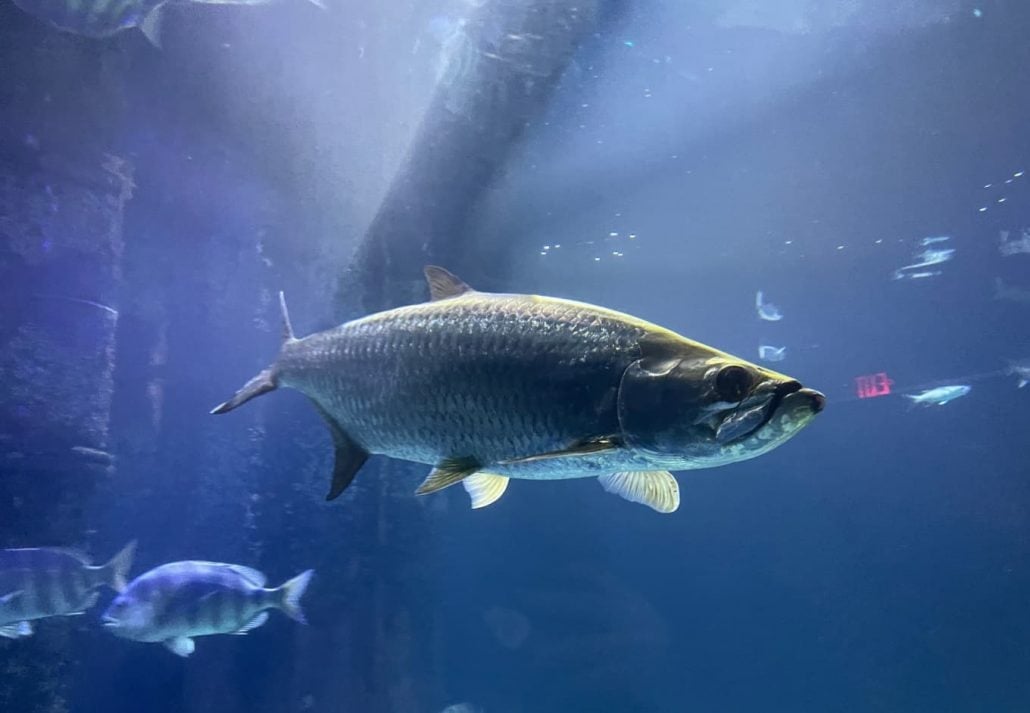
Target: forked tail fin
117	570
265	381
290	594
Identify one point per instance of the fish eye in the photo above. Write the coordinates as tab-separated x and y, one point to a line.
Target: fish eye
733	383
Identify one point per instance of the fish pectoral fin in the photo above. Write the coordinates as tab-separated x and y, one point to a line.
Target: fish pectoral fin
16	631
349	455
448	472
180	646
252	624
657	489
442	284
582	448
485	488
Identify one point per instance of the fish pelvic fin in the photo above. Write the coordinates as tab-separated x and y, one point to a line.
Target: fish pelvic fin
17	630
180	646
261	384
290	594
442	284
116	571
448	472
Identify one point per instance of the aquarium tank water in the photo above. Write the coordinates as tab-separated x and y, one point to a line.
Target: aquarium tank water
514	356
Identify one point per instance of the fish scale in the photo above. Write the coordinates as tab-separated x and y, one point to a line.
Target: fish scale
391	379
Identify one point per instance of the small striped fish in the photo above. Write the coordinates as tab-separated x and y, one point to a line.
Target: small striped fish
180	600
101	19
40	582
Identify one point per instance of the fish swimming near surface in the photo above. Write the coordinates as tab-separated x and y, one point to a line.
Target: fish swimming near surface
940	395
100	19
180	600
40	582
488	387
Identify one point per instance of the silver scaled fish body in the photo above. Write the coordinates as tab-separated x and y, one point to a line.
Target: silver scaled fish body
488	387
41	582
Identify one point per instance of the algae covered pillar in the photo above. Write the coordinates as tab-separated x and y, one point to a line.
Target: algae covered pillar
501	68
62	195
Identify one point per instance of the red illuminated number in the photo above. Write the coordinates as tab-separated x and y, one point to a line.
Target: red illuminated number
872	385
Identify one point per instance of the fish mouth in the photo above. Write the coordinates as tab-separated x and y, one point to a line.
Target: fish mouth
109	622
755	412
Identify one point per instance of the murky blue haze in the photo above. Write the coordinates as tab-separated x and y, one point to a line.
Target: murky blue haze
672	159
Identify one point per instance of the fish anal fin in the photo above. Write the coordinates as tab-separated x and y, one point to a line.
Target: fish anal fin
348	458
485	488
657	489
180	646
442	284
252	624
448	472
582	448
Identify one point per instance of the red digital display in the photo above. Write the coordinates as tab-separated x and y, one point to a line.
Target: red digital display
873	385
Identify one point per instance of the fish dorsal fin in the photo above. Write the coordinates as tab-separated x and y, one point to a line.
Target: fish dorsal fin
288	335
449	472
250	574
485	488
151	26
442	284
657	489
252	624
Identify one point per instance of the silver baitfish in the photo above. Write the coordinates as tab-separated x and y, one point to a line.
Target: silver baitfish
488	387
101	19
40	582
177	601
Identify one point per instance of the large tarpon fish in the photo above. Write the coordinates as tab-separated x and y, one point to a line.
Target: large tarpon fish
487	387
